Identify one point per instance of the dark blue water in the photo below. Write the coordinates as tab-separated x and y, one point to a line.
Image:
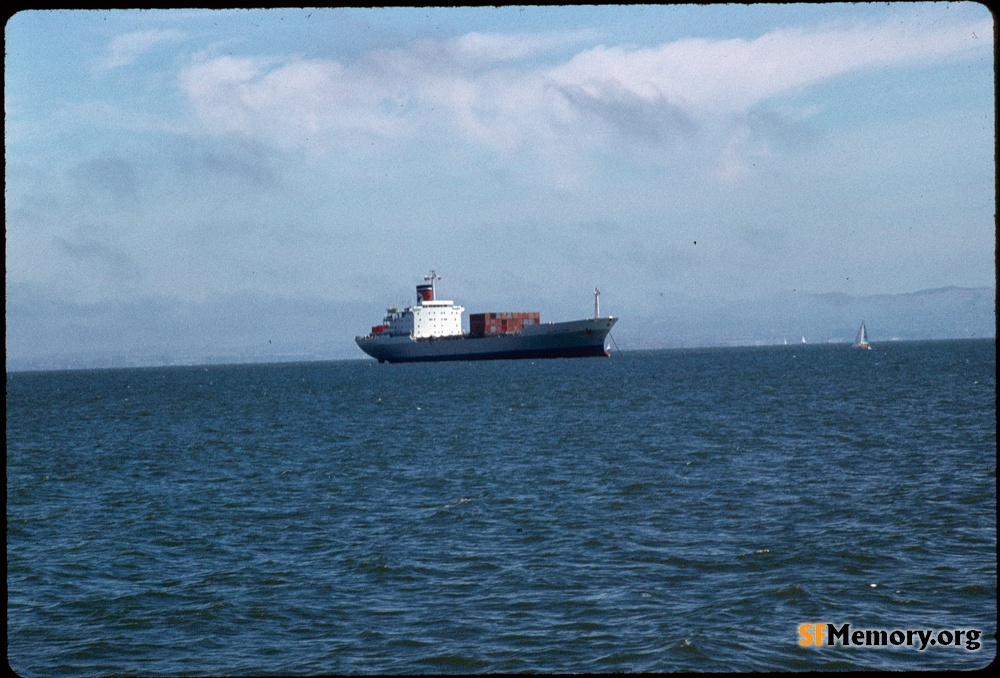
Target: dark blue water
662	511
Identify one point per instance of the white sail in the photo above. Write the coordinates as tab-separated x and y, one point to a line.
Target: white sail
861	341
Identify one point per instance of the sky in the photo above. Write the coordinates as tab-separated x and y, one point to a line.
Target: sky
195	182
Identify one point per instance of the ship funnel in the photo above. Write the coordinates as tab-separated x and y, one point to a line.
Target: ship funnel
425	293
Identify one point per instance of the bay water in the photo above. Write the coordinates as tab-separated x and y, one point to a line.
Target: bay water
676	510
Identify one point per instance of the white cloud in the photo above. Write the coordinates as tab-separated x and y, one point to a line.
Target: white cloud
479	86
479	49
292	104
733	75
128	48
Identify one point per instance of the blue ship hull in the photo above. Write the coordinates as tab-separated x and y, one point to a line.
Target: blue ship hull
574	339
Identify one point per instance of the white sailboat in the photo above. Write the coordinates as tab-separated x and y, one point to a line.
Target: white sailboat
861	341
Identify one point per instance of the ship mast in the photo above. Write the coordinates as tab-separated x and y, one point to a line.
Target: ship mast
433	277
597	303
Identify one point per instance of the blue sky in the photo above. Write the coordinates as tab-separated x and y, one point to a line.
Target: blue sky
196	181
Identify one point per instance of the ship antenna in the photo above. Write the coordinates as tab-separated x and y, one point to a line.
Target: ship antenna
597	303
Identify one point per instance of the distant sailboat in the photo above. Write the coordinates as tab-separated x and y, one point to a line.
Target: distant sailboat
861	341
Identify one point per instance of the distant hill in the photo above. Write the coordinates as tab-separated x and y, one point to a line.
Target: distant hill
942	313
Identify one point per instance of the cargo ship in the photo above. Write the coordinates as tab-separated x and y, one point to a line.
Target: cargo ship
431	330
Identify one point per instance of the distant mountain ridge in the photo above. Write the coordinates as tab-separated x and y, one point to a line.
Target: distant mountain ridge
940	313
951	290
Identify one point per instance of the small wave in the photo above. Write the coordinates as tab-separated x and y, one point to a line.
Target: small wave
454	661
978	590
686	646
791	592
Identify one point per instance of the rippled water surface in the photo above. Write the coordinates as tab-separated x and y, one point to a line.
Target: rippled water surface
661	511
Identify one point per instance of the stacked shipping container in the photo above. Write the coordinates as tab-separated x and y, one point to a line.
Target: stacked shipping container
501	323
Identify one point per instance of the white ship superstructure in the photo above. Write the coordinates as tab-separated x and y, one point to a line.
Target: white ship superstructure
429	317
